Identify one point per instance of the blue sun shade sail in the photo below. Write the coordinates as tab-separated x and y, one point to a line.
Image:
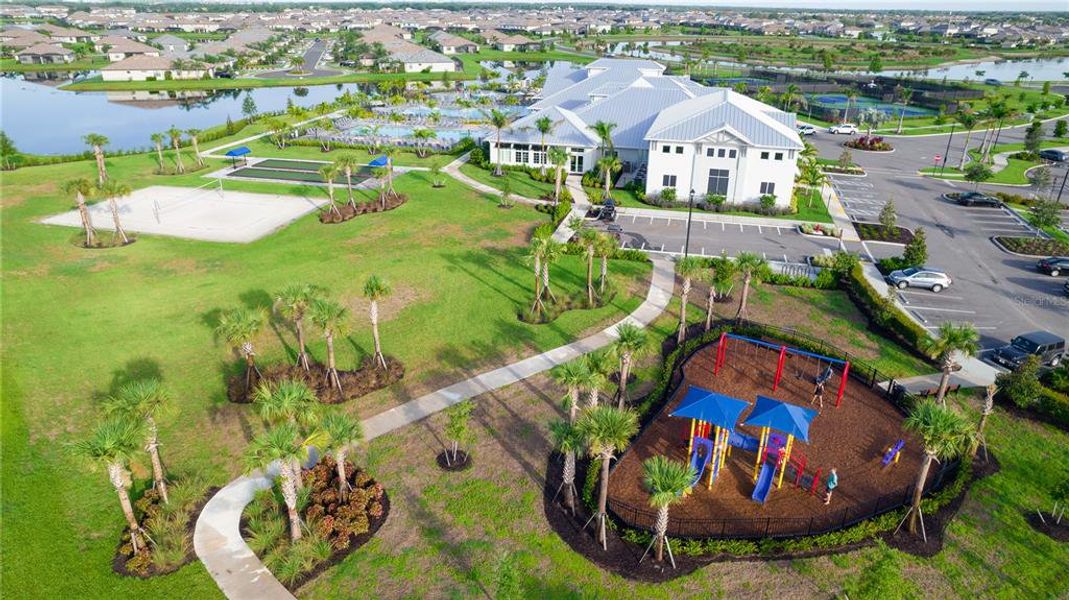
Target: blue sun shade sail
239	151
781	416
711	407
379	162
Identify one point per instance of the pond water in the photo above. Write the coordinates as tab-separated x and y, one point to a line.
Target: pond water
1041	69
860	103
42	119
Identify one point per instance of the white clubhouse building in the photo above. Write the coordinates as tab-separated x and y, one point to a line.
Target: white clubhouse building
686	136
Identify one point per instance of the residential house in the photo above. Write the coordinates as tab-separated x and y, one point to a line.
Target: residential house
118	48
45	54
154	68
447	43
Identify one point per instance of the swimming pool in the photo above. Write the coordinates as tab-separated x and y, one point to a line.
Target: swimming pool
839	101
467	114
405	132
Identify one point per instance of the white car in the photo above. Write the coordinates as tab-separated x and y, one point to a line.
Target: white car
806	130
847	128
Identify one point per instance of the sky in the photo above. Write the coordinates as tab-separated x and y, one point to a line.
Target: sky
930	5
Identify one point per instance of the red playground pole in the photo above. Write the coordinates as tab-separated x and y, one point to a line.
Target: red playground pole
779	366
842	385
721	351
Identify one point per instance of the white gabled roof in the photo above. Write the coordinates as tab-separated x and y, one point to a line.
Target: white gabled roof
755	122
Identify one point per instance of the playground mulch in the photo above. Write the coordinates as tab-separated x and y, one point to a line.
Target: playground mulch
852	438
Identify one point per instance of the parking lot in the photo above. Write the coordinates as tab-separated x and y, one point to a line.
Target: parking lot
859	197
669	233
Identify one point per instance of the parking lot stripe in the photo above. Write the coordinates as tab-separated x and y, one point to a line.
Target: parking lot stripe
722	226
703	250
705	224
759	230
930	295
741	229
634	218
988	328
936	308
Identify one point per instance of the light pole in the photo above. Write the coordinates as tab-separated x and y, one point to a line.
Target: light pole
690	211
1062	188
946	153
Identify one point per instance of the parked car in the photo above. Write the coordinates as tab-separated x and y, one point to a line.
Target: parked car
921	277
1053	265
1054	155
806	130
973	199
847	128
1049	347
992	82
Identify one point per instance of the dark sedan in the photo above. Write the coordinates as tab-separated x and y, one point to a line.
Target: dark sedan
1054	155
1054	265
974	199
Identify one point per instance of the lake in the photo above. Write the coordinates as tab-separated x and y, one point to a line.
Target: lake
42	119
1040	69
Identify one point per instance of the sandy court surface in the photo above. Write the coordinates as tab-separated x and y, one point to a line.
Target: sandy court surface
205	213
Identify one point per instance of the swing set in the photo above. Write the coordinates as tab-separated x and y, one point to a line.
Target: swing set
819	377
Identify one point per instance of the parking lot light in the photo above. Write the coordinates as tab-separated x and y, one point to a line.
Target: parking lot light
690	212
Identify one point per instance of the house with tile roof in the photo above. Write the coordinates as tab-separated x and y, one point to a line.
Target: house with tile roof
681	134
45	54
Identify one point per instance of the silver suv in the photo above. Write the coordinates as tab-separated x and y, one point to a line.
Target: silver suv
920	277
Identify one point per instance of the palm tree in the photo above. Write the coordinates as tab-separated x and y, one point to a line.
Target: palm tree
687	268
559	158
282	444
764	94
999	112
291	303
541	246
603	130
500	121
985	412
347	163
333	319
813	176
574	377
376	289
597	370
237	327
944	434
632	341
287	401
113	190
371	132
668	482
97	143
792	95
967	119
342	433
544	125
329	172
422	136
608	165
81	188
607	430
176	142
144	401
720	277
904	96
193	133
588	238
604	247
157	140
110	446
952	340
551	253
851	98
389	152
568	440
749	265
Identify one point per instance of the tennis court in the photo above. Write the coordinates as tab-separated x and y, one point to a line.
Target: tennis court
294	170
208	213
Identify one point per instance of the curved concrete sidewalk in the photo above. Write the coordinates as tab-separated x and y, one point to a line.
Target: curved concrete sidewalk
217	537
453	170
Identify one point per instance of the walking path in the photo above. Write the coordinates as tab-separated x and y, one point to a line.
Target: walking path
453	170
217	537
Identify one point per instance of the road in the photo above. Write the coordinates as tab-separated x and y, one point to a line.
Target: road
1000	293
310	60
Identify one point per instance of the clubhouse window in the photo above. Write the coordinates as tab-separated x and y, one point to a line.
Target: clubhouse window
768	187
669	181
779	156
718	181
666	149
764	156
679	149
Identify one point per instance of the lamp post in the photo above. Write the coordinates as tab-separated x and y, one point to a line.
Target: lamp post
946	153
1062	188
690	211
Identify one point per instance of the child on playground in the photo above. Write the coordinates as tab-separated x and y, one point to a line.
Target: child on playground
830	485
818	394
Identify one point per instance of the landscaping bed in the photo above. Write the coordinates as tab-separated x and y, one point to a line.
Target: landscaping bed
1033	246
877	232
368	378
869	143
349	211
1048	527
171	529
334	527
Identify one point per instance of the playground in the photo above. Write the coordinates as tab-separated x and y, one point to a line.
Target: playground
742	416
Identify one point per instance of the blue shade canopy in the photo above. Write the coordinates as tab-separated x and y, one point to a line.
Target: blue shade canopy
239	151
781	416
711	407
379	162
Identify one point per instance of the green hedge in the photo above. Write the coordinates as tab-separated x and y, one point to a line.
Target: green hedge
884	313
1053	404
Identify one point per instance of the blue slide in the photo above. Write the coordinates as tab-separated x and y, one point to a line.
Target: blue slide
764	483
699	461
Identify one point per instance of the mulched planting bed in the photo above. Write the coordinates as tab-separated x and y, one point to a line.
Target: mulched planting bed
1033	246
1056	532
346	210
123	552
879	233
355	384
105	240
852	438
462	462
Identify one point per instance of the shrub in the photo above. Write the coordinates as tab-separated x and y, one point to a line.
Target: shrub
715	200
870	143
668	194
1060	128
768	201
916	252
1022	387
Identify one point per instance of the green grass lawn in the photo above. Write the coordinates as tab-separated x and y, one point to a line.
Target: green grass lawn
521	182
77	321
812	208
11	65
262	148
